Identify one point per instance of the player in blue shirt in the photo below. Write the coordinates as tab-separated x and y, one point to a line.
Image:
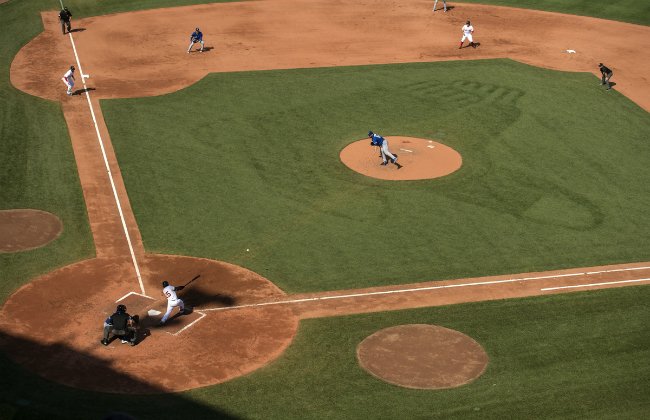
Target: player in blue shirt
382	143
196	37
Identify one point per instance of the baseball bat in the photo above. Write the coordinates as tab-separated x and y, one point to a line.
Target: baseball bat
195	277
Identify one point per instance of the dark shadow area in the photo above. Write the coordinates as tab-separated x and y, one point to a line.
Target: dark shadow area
205	50
440	7
82	91
83	29
28	396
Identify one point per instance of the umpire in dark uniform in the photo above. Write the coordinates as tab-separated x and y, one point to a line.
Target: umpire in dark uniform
122	325
606	75
64	17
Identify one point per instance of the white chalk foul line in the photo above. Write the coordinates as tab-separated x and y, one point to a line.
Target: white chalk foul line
546	289
134	293
108	169
419	289
190	324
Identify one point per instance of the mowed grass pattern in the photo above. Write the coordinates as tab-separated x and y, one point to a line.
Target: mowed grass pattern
554	173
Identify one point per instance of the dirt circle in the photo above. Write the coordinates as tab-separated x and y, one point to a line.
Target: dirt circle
25	229
53	325
422	356
421	159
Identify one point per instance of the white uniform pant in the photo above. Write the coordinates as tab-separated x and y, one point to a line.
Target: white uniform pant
69	84
171	304
193	42
385	152
468	37
444	4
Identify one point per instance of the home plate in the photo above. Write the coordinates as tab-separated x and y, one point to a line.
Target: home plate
153	312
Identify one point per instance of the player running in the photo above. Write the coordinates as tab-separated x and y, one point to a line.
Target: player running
68	79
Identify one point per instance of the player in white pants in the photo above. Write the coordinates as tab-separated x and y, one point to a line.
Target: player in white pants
172	300
68	79
444	4
468	30
382	143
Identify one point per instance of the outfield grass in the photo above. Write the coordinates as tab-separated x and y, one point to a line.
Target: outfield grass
565	356
632	11
250	161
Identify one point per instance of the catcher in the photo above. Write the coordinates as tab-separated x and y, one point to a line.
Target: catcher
196	37
122	325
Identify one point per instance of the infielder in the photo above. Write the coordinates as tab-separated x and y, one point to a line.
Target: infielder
172	300
468	30
606	75
382	143
444	4
68	79
196	37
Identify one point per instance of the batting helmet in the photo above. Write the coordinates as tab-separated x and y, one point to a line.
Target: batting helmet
121	308
165	283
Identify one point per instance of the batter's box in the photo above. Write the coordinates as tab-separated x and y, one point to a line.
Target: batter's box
151	315
135	303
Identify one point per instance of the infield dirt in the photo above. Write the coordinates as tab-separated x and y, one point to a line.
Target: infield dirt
144	54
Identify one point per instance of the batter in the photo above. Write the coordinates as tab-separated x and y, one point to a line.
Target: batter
172	300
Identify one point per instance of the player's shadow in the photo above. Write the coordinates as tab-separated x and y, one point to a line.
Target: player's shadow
82	91
442	9
612	84
205	50
83	29
198	298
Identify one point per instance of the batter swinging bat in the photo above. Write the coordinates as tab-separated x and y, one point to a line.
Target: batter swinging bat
195	277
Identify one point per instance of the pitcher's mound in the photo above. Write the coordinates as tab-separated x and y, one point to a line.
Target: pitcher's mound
421	159
25	229
422	356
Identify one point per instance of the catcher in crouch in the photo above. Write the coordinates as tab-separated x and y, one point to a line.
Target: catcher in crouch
196	37
122	325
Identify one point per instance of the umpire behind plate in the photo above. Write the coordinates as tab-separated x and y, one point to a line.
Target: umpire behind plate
122	325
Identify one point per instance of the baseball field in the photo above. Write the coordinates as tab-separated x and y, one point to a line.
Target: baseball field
248	164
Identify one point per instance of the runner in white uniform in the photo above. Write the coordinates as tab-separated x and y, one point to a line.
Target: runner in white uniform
68	79
468	30
172	300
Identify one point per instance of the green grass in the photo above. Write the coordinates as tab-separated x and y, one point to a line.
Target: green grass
564	356
533	344
633	11
37	167
250	160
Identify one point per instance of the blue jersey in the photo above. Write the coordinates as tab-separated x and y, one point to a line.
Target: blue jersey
196	36
377	140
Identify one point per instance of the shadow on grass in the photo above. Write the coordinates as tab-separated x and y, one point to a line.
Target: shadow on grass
28	396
